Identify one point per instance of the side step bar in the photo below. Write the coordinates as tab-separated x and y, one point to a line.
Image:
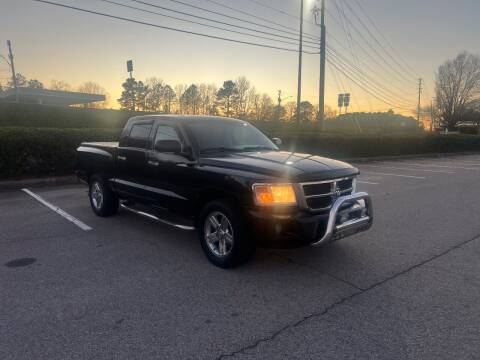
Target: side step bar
156	218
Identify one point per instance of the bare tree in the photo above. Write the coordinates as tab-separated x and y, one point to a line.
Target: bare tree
241	96
91	87
155	95
457	85
59	85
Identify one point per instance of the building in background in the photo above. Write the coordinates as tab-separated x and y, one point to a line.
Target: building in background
50	97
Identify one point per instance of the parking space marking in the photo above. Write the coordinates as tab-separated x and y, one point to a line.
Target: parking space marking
367	182
407	169
441	166
397	175
59	211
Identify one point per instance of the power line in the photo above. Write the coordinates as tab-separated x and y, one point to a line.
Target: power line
202	24
413	72
375	38
367	88
398	75
258	17
365	76
170	28
222	22
280	11
228	16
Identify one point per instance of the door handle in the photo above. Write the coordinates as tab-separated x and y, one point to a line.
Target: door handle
153	163
123	158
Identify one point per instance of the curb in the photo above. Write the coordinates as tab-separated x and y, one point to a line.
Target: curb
38	182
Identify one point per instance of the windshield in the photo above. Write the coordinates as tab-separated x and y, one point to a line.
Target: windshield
229	135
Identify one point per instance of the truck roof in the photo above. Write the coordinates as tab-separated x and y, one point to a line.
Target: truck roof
181	118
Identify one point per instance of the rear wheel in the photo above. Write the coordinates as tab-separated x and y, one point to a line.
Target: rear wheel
103	200
223	236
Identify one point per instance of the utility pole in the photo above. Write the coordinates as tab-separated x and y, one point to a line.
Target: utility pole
419	99
300	51
279	108
14	77
323	54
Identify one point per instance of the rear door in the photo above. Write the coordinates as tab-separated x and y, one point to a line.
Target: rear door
132	169
169	174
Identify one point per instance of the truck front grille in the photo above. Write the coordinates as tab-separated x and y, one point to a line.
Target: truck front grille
320	196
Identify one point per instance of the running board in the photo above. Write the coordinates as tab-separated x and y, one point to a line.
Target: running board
153	217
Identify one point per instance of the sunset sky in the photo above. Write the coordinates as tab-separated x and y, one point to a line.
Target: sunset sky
56	43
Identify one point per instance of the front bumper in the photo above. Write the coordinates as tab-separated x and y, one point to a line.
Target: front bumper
349	215
342	222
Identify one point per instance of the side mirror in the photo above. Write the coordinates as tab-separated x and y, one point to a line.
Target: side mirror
277	141
168	146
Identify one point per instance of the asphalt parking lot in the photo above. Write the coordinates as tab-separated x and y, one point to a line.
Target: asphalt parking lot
128	288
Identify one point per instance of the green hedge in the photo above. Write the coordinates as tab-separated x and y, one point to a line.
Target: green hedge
36	152
27	152
32	115
344	146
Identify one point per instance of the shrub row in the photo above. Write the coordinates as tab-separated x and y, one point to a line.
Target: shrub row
30	152
36	152
33	115
344	146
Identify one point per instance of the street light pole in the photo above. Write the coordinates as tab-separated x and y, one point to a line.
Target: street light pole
300	52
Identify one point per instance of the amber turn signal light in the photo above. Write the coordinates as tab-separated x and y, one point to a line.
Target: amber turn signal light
274	194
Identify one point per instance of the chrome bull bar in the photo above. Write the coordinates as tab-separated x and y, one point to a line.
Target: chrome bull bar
336	230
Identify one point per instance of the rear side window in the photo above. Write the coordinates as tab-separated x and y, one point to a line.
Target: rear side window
166	132
139	135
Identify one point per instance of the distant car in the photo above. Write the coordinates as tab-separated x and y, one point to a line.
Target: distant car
228	180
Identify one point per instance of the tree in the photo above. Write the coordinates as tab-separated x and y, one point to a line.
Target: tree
59	85
225	97
457	85
21	81
290	110
190	98
242	85
141	94
168	97
91	87
127	99
34	84
154	98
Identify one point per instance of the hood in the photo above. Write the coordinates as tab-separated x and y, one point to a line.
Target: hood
299	167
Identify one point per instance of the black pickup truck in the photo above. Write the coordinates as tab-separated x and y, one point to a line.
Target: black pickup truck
226	179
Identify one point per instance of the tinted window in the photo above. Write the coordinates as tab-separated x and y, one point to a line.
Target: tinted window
140	131
139	135
166	132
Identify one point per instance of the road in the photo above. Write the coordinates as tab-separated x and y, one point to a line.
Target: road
128	288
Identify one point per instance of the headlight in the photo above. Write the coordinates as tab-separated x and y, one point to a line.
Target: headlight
274	194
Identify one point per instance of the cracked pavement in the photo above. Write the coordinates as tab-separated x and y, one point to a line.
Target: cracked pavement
134	289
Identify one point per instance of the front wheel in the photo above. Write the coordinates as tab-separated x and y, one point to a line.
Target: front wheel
223	235
103	200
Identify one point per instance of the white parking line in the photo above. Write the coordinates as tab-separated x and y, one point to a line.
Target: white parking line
397	175
367	182
407	169
59	211
440	166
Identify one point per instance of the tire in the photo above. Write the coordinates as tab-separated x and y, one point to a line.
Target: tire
103	200
230	244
